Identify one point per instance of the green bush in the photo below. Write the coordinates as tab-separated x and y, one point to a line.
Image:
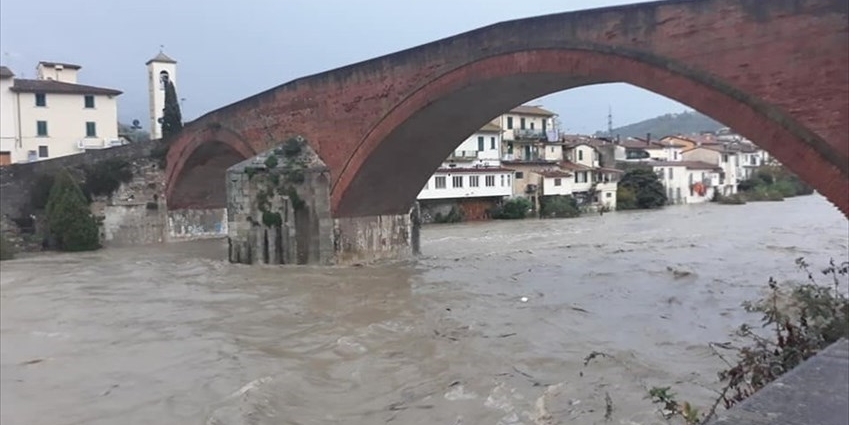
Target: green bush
559	207
453	216
640	188
513	209
71	224
774	183
735	199
7	251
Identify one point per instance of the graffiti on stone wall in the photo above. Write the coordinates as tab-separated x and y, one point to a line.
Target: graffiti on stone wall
197	224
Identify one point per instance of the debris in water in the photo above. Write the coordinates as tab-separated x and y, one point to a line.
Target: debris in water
524	299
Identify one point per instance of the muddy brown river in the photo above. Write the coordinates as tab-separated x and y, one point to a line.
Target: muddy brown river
174	334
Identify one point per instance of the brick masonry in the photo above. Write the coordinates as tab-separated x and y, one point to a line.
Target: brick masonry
774	71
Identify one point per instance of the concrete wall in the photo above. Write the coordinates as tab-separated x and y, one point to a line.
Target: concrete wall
368	239
187	225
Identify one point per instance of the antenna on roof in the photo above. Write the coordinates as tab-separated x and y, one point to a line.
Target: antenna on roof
609	121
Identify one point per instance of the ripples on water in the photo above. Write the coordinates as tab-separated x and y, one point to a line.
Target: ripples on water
174	335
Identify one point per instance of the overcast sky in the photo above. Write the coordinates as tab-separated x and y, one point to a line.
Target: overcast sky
227	51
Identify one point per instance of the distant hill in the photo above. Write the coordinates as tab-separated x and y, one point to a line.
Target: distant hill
664	125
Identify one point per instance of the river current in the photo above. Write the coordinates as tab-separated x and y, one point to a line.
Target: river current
491	325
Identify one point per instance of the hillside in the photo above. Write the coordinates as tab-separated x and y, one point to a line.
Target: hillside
664	125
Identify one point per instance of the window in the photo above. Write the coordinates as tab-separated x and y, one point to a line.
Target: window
609	195
532	125
480	143
40	99
670	173
678	193
725	158
521	123
552	149
581	177
509	123
580	155
42	152
41	128
90	129
753	160
520	175
439	182
675	155
558	182
492	142
508	180
489	181
163	79
502	180
457	181
89	101
474	181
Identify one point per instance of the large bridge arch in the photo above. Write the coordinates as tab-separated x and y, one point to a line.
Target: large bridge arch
775	70
397	156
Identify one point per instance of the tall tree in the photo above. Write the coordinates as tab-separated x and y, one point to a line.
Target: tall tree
69	219
172	119
640	188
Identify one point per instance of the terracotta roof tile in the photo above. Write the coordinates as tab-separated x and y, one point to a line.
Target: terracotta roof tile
532	110
6	72
482	170
693	165
490	128
52	86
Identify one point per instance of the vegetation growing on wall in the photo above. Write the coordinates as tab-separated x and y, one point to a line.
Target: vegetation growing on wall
640	188
105	177
284	168
559	207
72	226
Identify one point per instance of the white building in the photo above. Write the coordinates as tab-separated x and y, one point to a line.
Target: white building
718	155
471	182
688	182
53	115
528	131
160	70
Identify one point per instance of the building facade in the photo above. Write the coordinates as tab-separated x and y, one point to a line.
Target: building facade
53	115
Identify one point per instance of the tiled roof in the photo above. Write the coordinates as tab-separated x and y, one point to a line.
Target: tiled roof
481	170
574	167
52	86
532	110
712	147
693	165
161	57
490	128
533	162
63	65
611	170
553	173
6	72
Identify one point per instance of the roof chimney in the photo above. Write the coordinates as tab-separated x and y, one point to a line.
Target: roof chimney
648	139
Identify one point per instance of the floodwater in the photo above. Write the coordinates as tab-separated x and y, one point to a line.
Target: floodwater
175	335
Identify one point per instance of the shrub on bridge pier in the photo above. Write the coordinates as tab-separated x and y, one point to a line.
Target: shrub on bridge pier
71	225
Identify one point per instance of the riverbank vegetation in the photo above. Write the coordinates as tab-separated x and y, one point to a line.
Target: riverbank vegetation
797	321
558	207
640	188
512	209
768	183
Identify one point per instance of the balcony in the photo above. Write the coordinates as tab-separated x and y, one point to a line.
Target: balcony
463	156
529	134
92	143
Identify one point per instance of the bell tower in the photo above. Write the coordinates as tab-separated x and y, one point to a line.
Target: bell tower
160	70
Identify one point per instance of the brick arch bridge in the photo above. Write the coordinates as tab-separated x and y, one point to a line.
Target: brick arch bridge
775	71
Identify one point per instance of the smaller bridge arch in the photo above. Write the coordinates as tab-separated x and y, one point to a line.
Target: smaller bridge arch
196	169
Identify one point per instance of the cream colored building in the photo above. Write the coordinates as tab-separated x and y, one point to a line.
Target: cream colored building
528	131
53	115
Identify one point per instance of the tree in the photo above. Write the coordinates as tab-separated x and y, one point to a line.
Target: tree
640	188
71	224
172	119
